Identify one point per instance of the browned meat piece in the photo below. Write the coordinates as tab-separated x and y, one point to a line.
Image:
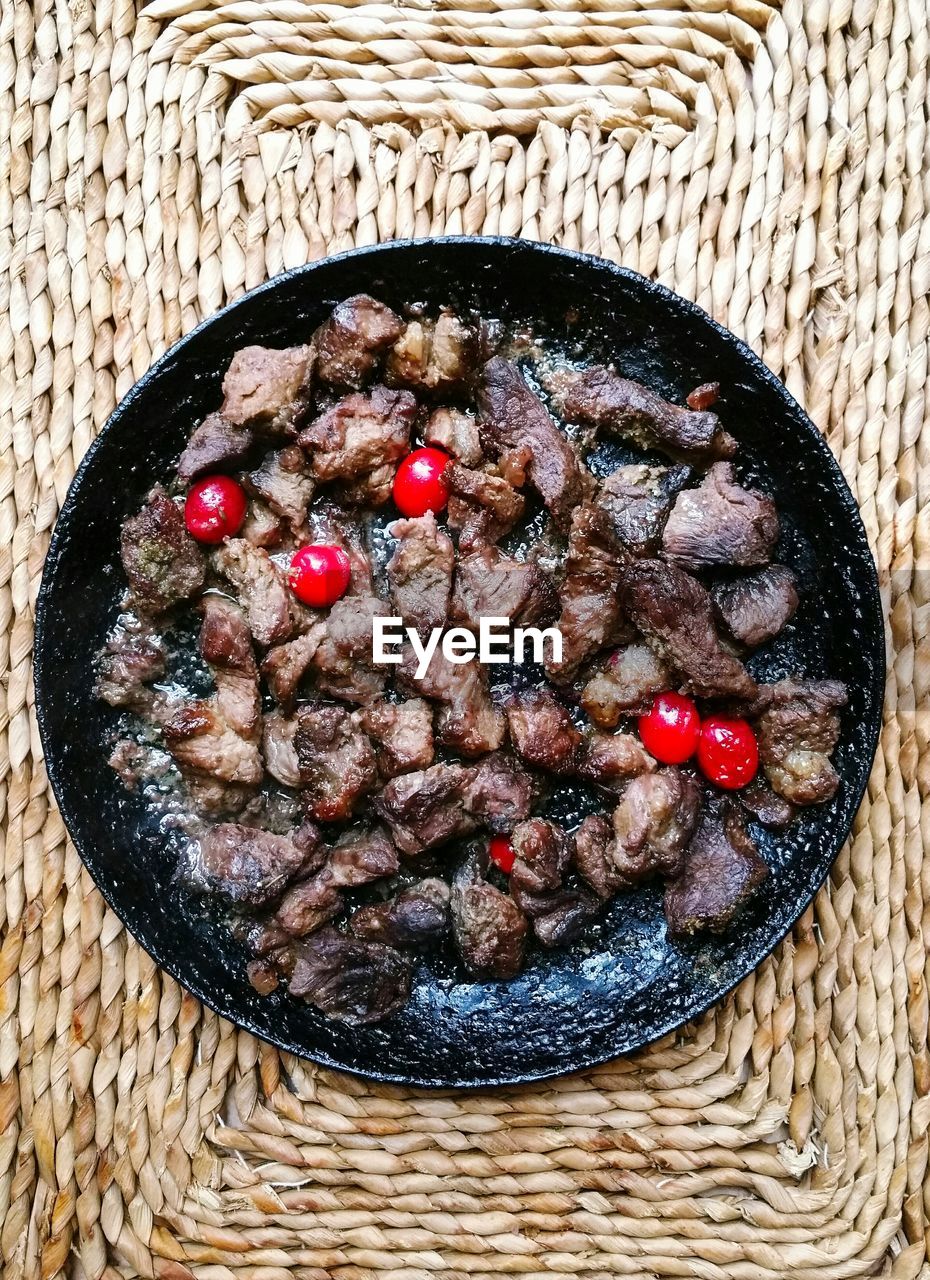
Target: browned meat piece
720	523
424	809
415	918
272	611
638	499
566	918
278	748
261	527
262	975
457	433
268	388
468	721
361	858
200	739
432	355
514	417
286	664
336	761
653	823
309	905
490	929
722	869
482	505
610	758
226	644
594	842
797	731
285	483
489	584
602	399
162	561
500	793
402	733
755	608
542	731
135	763
247	866
362	435
349	343
343	665
216	445
348	979
512	465
132	657
702	397
543	852
674	612
420	573
626	686
769	810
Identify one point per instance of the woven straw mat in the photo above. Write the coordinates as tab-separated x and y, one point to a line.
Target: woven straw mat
770	163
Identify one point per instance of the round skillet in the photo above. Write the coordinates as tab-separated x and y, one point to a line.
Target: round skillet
627	983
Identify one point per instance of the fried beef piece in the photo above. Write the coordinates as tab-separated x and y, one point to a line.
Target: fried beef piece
594	843
432	355
542	731
420	573
131	659
424	809
653	823
261	527
674	613
286	664
489	584
483	506
162	562
250	867
362	435
268	388
626	685
309	905
638	499
457	433
500	793
200	739
336	761
769	810
755	608
490	929
467	722
285	483
262	975
601	398
608	759
415	918
349	343
272	611
702	397
720	523
402	733
543	852
722	869
226	644
361	858
350	980
343	663
278	732
797	731
571	910
514	417
216	445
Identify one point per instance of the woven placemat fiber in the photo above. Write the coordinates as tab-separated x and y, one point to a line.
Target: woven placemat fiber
772	164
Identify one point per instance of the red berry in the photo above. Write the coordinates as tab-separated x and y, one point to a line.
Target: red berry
319	574
671	729
728	752
215	508
418	485
502	854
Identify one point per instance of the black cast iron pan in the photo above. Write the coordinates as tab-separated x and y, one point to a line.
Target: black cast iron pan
627	984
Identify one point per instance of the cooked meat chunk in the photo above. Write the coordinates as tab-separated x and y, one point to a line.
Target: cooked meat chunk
420	573
594	842
247	866
500	793
361	858
349	343
132	657
272	611
424	809
285	483
432	355
261	527
702	397
625	686
268	388
542	731
482	505
415	918
162	561
262	975
761	802
514	417
610	758
457	433
336	760
350	980
200	739
286	664
797	731
309	905
638	499
489	584
567	918
490	929
653	823
674	612
343	663
543	852
278	748
216	445
755	608
362	434
467	722
720	523
402	733
601	398
722	869
134	763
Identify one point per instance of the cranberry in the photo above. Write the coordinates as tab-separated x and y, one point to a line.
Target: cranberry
319	574
727	752
671	729
215	508
418	485
502	854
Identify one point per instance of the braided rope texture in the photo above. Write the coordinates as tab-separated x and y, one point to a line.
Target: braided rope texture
769	162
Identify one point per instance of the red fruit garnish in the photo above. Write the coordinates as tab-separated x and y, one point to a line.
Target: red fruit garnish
319	574
418	485
502	853
671	729
214	509
728	752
